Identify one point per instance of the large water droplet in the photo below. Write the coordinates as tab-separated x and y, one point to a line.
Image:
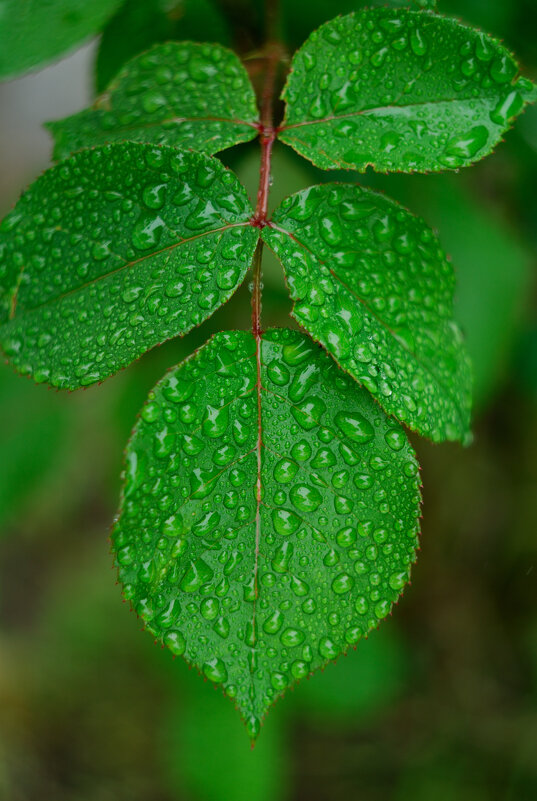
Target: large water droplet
355	426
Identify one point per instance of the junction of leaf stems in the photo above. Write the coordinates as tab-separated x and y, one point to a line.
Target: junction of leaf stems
267	135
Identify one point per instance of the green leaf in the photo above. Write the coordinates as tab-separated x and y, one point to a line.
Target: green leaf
400	90
114	251
179	93
269	516
142	23
33	32
371	284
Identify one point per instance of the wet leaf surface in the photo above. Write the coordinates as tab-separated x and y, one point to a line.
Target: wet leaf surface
371	282
400	90
114	251
178	93
258	590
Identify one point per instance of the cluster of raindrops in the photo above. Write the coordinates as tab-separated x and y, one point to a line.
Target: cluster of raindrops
400	90
260	597
372	284
179	93
115	251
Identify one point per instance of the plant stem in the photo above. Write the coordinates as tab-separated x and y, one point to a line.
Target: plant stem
256	290
267	134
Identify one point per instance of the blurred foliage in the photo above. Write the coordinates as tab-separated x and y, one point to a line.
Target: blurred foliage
139	24
31	444
440	704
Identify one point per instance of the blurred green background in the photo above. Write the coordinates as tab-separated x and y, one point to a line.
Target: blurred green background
440	704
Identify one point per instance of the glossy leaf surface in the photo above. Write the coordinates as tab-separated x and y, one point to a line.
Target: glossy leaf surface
139	24
114	251
258	595
400	90
179	93
372	284
33	32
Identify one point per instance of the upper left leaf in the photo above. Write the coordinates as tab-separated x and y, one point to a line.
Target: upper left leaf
114	251
33	32
179	93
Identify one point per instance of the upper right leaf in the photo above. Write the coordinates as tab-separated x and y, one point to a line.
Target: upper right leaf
400	90
371	284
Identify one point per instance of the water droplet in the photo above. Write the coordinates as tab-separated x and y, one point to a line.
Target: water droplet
292	637
395	438
330	229
278	373
327	648
382	608
507	108
355	426
466	146
147	232
503	69
215	670
209	608
285	471
305	498
198	574
216	421
273	623
175	641
285	522
154	196
342	584
417	42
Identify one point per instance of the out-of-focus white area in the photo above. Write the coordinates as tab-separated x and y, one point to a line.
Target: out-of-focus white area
25	104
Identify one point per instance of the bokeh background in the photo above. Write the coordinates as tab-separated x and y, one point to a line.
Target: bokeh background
440	704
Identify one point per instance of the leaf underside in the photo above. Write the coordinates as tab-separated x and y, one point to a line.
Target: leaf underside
114	251
33	32
400	90
372	284
182	94
258	596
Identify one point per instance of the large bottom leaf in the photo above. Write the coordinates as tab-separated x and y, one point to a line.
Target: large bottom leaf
269	515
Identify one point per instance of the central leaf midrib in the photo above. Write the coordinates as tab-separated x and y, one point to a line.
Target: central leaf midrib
259	491
373	109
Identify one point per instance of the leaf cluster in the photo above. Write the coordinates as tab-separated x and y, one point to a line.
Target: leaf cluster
269	516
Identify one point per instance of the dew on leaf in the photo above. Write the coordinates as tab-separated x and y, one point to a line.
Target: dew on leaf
380	317
127	280
423	79
209	109
255	619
